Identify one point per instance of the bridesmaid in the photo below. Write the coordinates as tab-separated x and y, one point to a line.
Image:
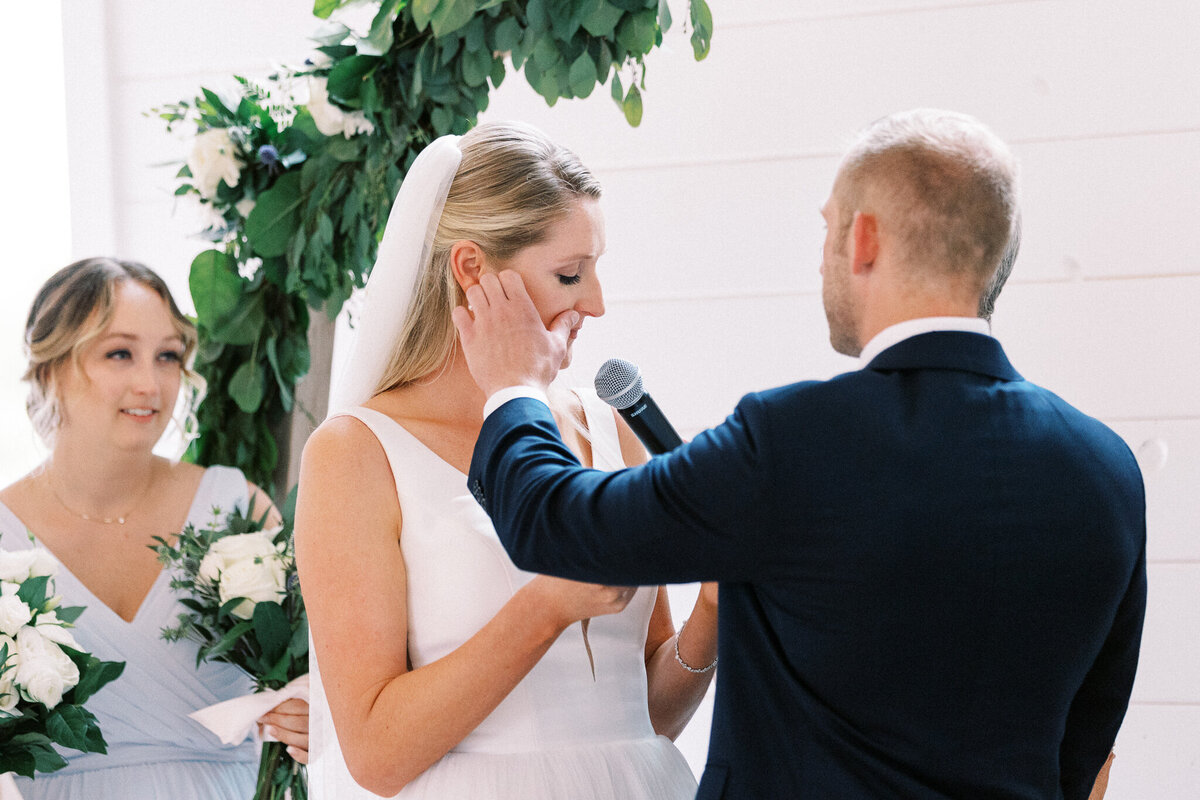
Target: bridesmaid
108	354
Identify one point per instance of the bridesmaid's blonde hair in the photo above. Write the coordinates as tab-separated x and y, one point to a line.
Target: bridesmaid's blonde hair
70	310
512	185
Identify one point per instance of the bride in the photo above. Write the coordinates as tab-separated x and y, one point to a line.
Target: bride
444	671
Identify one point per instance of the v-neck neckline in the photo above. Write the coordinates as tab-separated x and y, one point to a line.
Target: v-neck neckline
95	601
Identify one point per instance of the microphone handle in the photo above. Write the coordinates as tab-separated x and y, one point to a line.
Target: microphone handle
651	426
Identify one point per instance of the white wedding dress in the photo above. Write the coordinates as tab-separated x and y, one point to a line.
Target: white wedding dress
560	735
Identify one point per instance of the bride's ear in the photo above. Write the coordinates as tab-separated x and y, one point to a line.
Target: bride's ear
467	263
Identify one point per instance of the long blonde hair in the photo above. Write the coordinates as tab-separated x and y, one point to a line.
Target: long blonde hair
69	311
513	183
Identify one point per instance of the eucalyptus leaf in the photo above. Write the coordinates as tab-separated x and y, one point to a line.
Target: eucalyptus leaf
636	32
633	107
702	24
248	386
664	16
583	76
506	35
214	284
423	11
603	19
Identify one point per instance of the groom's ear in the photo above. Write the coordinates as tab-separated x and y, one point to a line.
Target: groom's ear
467	262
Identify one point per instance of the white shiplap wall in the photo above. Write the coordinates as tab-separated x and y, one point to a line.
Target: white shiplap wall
714	238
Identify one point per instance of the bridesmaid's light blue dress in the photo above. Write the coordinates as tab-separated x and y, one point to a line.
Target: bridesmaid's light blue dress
155	752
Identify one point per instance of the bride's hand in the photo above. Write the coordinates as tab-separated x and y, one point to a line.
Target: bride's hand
569	601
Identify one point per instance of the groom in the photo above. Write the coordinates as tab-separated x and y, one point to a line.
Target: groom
932	571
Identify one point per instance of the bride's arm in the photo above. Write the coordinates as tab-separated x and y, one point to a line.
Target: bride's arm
393	722
675	692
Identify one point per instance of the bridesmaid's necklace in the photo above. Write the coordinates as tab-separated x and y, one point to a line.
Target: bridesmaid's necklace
117	520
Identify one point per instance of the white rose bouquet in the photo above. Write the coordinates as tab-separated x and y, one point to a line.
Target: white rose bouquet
244	608
45	678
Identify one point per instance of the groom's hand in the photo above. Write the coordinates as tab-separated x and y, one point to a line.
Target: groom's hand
504	339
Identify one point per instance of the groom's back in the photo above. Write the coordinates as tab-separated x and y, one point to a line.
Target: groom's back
960	598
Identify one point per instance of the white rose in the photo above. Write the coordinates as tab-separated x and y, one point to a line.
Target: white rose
213	159
15	565
331	119
229	550
248	565
257	582
54	629
14	614
45	672
43	564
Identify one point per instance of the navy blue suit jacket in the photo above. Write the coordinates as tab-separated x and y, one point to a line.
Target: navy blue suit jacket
932	572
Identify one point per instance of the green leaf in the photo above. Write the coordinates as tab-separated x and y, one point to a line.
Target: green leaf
323	8
664	16
68	725
271	628
69	614
582	76
603	19
497	75
633	106
247	387
442	120
243	324
476	66
345	150
331	34
33	592
422	12
214	283
216	102
379	38
637	31
618	91
546	53
276	216
346	78
507	35
93	674
536	18
701	28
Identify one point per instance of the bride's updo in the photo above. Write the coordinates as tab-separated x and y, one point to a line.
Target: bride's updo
512	185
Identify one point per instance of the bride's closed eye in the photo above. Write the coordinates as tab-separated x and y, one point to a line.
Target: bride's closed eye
570	280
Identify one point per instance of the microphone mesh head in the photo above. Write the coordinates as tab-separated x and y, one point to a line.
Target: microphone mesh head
619	383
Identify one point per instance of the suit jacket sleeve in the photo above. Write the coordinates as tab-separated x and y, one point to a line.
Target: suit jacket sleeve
1100	704
685	516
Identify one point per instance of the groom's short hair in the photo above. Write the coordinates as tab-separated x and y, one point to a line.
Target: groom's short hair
944	182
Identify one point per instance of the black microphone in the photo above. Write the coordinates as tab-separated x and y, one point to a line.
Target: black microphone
619	384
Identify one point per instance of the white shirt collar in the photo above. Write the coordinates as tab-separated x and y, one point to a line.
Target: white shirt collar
911	327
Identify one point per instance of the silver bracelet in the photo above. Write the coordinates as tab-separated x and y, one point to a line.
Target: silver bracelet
686	665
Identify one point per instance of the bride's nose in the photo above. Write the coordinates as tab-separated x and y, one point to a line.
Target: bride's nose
592	302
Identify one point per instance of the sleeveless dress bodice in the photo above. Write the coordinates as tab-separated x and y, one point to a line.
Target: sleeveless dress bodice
155	751
560	733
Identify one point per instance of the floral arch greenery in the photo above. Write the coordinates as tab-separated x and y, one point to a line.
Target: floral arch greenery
300	183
